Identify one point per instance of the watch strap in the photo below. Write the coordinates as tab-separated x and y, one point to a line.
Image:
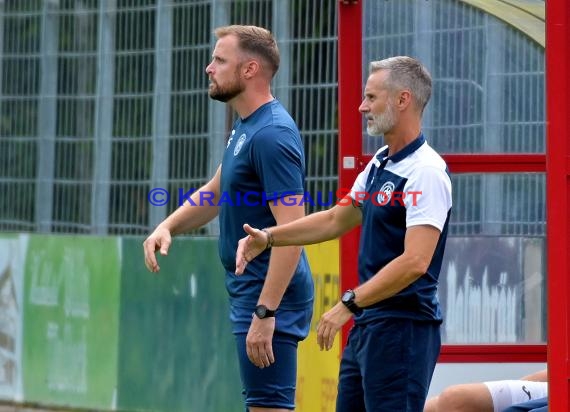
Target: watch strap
262	312
349	303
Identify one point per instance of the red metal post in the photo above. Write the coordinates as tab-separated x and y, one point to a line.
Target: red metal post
558	193
350	127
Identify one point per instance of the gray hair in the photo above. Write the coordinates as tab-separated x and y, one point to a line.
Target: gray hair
406	73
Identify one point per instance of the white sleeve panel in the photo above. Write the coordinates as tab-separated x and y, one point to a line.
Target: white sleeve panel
428	197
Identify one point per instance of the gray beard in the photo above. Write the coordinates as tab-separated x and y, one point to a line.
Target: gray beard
382	122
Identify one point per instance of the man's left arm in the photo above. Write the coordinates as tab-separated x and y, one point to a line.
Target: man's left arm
419	246
426	215
282	265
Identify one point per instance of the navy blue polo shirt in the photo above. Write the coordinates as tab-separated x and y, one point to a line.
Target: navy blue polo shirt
410	188
263	162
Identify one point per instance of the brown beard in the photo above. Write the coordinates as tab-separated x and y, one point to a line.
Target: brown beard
225	94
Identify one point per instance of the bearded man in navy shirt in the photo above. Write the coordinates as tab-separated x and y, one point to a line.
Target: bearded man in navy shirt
260	180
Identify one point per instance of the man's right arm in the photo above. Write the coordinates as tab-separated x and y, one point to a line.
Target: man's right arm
314	228
194	213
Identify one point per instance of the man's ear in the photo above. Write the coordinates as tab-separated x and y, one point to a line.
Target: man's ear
250	68
404	99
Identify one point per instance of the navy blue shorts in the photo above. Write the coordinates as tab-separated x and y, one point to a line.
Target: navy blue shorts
274	386
387	365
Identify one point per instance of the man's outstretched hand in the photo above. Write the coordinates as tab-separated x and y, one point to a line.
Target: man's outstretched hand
250	247
159	240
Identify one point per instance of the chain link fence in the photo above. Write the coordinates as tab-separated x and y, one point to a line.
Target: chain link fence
104	100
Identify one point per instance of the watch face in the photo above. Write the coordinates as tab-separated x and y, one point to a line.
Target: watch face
261	311
347	296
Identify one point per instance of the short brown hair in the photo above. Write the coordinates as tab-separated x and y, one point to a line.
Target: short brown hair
255	40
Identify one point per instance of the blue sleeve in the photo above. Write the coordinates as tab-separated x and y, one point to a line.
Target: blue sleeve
277	156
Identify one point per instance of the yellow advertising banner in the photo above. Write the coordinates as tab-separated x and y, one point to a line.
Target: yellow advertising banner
318	370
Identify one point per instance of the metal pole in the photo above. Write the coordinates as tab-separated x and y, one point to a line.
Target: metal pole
557	201
217	112
161	105
47	113
104	118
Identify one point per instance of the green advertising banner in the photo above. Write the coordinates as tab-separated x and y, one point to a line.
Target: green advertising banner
71	292
177	352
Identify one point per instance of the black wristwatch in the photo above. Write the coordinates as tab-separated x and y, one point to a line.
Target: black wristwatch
262	312
348	300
